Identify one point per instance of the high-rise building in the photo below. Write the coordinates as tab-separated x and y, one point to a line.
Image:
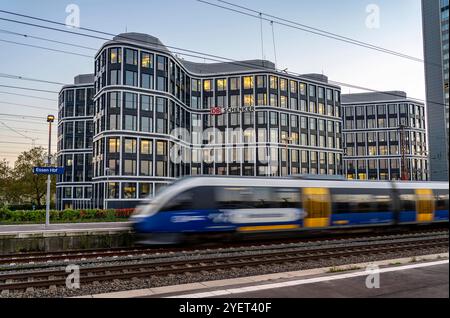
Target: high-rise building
75	133
384	137
435	15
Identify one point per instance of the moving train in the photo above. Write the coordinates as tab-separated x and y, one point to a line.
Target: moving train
234	206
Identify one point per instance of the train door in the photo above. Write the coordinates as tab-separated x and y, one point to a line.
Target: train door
425	206
317	205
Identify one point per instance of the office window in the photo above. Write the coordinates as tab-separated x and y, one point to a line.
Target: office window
162	63
283	84
130	146
130	78
129	190
146	147
249	100
273	82
146	81
146	124
221	85
114	122
115	77
114	145
130	100
234	83
207	85
146	60
248	82
146	168
129	167
261	81
146	103
262	99
115	55
130	122
161	148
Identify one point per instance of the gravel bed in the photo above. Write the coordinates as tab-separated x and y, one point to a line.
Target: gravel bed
213	253
122	285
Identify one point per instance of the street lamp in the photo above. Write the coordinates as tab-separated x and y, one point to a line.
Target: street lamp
50	120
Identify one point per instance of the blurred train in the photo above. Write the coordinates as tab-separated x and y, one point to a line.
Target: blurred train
220	207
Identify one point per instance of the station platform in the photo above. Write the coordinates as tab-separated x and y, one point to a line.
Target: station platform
60	237
33	229
422	277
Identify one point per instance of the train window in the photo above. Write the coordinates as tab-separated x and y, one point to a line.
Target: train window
287	198
180	202
244	197
408	202
353	202
442	202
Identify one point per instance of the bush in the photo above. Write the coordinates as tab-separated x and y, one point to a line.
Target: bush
38	216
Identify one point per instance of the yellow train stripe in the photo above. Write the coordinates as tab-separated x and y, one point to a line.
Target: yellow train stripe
268	228
343	222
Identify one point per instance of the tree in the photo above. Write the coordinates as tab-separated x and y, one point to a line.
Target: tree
27	186
5	181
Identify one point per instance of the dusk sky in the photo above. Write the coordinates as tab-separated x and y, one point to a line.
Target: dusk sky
193	25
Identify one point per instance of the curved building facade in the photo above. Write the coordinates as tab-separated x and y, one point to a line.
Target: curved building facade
75	135
158	117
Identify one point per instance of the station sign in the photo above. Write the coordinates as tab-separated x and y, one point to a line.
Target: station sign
48	170
217	111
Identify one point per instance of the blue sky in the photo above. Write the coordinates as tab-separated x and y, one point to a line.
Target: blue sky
193	25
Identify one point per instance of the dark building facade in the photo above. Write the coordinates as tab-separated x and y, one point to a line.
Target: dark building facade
158	118
435	15
372	138
75	135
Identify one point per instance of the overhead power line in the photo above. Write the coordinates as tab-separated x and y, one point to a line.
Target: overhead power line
192	53
45	48
30	96
23	78
28	36
29	106
309	29
30	89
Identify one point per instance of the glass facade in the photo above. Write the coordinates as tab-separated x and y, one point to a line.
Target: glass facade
75	141
373	145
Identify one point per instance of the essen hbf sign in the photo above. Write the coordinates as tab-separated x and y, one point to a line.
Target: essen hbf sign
217	111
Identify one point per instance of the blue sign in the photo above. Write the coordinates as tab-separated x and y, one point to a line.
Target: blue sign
48	170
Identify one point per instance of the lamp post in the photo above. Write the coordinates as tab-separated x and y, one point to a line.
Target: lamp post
50	120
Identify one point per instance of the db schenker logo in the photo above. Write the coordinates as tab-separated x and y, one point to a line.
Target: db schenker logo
216	111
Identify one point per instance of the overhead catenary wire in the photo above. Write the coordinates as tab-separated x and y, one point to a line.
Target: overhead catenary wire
30	96
29	106
29	89
23	78
44	48
206	56
309	29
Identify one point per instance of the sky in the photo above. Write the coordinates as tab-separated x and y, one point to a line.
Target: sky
190	24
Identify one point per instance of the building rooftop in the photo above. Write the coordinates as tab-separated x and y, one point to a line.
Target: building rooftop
83	79
373	97
152	42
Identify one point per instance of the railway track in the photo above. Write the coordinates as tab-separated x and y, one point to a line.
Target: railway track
83	255
57	277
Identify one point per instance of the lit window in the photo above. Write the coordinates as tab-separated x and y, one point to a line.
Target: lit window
114	145
207	85
221	84
161	148
248	82
249	100
115	56
146	60
146	147
273	82
283	84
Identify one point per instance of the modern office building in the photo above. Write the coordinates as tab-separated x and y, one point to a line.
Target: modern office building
75	135
375	144
435	15
158	117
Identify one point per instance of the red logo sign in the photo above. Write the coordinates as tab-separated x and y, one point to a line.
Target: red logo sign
216	111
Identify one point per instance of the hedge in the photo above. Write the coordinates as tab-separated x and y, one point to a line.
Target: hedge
8	216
